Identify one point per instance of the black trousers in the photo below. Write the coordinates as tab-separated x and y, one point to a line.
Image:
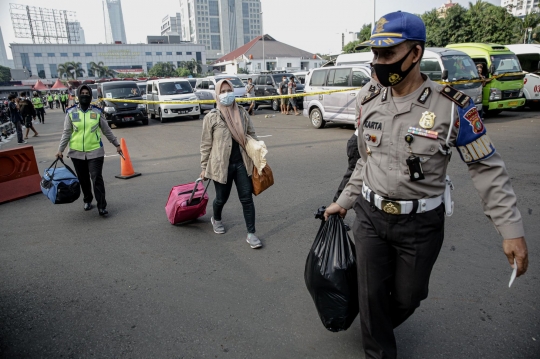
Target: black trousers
237	173
395	256
91	169
63	106
40	113
18	129
51	105
353	156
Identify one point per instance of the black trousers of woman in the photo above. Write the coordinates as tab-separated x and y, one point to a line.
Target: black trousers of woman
91	169
244	186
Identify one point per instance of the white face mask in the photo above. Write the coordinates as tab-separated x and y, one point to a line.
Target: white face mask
226	99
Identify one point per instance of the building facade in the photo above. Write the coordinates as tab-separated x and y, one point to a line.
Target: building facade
76	33
171	24
4	61
115	31
520	8
220	25
43	59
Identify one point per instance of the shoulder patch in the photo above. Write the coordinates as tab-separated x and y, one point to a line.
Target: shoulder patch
371	95
424	96
71	108
472	141
458	97
96	109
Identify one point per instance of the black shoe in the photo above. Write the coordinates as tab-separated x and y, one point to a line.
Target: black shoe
88	206
103	212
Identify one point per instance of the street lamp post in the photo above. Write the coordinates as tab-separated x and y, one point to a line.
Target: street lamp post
262	32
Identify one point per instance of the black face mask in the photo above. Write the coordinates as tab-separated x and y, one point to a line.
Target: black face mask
85	100
391	74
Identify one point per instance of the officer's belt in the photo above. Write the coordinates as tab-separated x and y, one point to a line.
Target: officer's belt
400	207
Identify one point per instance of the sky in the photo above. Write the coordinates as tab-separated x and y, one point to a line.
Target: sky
316	25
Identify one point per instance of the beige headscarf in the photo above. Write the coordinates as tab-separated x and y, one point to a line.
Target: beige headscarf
232	115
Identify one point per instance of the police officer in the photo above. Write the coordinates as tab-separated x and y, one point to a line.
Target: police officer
50	100
406	131
63	100
38	105
83	127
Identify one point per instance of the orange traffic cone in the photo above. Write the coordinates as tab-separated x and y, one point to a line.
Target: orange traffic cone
126	168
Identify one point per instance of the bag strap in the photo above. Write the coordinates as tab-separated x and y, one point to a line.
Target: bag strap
55	163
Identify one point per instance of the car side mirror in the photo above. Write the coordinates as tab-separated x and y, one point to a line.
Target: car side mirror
492	69
269	82
211	87
445	75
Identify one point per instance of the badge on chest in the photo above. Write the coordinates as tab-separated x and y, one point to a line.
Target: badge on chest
427	121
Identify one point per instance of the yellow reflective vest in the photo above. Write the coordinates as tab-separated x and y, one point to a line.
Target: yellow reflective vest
86	135
37	102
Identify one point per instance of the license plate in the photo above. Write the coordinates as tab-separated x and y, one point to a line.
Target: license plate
182	111
127	119
513	103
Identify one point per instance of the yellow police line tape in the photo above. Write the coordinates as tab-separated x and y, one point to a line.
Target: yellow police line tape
249	99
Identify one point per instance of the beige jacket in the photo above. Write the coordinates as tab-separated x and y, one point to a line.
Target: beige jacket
216	145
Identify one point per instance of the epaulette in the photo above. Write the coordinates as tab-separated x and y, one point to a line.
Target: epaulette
71	108
96	108
458	97
371	95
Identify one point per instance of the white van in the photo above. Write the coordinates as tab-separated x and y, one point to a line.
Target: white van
529	58
440	64
338	107
174	89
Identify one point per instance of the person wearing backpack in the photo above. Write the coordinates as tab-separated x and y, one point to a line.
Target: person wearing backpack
28	112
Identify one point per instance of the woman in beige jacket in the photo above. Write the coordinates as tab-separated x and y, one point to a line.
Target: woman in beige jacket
224	159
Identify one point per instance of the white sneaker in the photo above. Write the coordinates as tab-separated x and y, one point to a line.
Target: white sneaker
253	241
218	226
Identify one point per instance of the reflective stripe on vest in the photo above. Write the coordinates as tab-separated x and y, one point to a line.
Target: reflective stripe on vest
37	102
86	136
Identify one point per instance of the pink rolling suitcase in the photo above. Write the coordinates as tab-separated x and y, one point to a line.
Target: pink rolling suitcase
187	202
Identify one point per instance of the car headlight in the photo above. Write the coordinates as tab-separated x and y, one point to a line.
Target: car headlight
494	94
141	105
478	98
521	93
109	109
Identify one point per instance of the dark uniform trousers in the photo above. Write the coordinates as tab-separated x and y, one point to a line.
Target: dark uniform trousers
91	169
395	256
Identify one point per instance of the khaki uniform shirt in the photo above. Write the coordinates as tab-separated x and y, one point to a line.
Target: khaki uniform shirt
216	145
384	122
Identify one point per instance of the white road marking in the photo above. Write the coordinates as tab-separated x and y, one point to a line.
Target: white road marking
264	136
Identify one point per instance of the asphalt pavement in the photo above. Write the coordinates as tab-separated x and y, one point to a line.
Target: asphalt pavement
75	285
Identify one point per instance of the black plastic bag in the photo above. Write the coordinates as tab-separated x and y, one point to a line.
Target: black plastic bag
331	276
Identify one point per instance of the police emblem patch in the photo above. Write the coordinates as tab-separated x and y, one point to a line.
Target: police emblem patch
394	78
379	26
474	119
75	116
93	116
427	120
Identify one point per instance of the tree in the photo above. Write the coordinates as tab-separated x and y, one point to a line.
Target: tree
5	74
197	68
183	72
162	69
64	69
97	68
76	69
365	33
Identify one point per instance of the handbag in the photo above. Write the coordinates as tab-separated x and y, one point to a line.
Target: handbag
263	181
60	185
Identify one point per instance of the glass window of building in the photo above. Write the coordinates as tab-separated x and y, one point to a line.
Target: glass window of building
76	54
246	26
148	53
63	54
213	8
41	71
178	52
37	54
245	9
54	72
149	65
26	62
198	57
89	70
214	25
88	54
215	42
188	53
159	53
169	53
51	54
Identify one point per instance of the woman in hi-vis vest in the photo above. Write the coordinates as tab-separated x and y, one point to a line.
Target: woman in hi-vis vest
83	127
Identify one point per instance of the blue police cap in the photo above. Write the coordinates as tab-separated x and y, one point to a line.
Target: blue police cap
396	27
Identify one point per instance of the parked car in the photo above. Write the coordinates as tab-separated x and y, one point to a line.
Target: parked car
501	93
175	89
205	89
267	83
121	112
529	58
192	81
142	89
301	76
338	107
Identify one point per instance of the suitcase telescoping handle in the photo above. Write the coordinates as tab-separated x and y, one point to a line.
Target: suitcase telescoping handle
195	189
